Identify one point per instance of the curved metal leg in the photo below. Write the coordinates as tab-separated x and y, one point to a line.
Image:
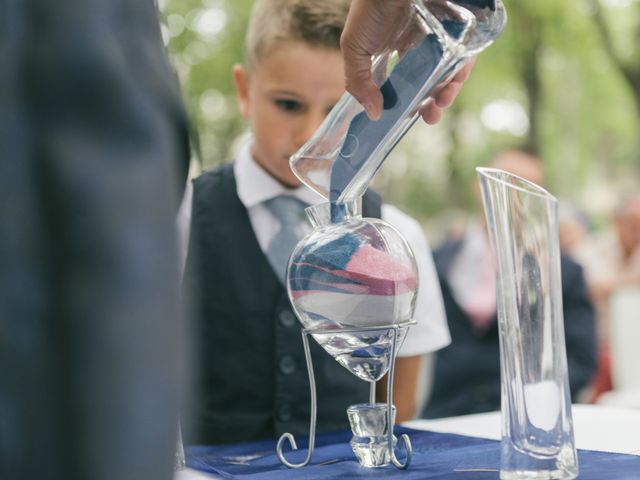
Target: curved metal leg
405	438
312	421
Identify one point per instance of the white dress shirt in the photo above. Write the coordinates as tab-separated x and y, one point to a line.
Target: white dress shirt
255	186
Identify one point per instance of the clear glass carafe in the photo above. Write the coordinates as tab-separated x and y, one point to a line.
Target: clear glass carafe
348	280
537	427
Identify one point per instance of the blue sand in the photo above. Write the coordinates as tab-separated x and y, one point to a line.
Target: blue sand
399	90
334	255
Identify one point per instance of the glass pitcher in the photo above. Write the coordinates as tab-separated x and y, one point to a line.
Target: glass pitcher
435	40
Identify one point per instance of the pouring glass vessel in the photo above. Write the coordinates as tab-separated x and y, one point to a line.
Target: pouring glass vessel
434	41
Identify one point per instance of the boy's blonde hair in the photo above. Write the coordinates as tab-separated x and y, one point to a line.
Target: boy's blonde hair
318	23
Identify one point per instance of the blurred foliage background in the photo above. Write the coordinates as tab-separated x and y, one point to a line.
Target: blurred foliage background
563	80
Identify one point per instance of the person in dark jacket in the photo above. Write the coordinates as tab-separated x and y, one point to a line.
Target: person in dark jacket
467	372
93	154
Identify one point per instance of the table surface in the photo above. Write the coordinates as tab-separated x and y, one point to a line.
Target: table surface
601	428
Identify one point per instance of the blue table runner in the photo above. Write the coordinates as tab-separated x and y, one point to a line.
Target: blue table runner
437	456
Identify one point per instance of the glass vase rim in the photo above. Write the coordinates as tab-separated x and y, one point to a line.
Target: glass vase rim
495	174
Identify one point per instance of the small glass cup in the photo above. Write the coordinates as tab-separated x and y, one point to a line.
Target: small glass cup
369	426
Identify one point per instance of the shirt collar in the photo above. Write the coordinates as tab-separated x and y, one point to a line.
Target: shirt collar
255	185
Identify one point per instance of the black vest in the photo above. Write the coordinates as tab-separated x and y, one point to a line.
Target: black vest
253	379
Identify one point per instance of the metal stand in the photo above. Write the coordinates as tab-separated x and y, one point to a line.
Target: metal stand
312	385
314	409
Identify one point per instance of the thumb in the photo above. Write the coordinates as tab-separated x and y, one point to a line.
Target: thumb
359	83
358	79
369	28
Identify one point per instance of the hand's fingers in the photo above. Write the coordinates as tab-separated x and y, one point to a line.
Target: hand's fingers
444	95
358	81
464	73
366	32
360	85
447	94
430	112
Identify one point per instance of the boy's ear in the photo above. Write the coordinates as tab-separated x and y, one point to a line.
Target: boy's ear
241	79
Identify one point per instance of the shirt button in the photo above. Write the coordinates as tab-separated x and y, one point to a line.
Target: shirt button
284	413
287	319
287	365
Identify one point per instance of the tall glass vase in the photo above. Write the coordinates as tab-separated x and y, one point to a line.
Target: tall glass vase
537	428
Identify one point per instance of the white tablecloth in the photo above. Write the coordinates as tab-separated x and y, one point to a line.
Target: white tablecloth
602	428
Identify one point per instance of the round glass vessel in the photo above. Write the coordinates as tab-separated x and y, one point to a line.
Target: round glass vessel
351	282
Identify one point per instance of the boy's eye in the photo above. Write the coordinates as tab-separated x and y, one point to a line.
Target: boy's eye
288	105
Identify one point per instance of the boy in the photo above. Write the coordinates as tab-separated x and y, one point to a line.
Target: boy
253	375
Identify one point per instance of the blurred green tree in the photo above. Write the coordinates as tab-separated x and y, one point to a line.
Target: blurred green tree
625	59
205	39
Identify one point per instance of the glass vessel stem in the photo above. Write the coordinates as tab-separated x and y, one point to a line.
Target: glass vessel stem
372	392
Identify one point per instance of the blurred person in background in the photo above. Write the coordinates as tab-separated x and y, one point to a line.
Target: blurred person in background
611	260
466	377
94	154
574	227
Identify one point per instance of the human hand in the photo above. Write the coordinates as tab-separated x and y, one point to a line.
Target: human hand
367	31
445	94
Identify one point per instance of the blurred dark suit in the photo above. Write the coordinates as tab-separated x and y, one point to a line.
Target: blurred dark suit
467	372
93	148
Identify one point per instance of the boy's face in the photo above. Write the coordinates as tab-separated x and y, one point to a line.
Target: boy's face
285	98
